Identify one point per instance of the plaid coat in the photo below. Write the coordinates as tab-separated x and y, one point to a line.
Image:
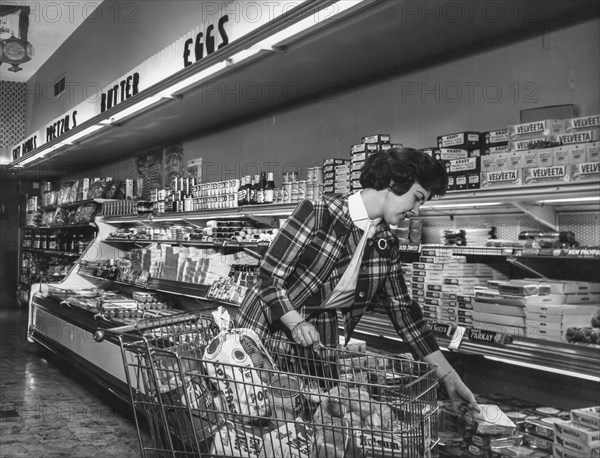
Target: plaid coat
307	259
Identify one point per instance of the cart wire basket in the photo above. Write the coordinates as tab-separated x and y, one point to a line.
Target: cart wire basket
209	393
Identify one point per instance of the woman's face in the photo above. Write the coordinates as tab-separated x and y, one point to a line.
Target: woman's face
398	207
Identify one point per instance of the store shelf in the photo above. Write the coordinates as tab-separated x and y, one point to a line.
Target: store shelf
575	360
592	253
195	243
67	226
52	252
251	212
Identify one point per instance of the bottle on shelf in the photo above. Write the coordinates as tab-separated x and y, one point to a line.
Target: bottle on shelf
242	193
269	192
253	189
260	188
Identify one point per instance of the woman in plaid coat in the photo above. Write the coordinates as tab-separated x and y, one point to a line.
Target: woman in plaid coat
312	269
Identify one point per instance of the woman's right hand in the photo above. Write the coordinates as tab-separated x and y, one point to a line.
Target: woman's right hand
306	334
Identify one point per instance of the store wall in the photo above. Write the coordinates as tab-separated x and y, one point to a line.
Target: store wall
12	117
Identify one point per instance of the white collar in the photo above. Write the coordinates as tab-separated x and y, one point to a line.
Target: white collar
358	211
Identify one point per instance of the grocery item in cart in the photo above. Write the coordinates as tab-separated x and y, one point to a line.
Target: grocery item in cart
291	439
234	439
233	360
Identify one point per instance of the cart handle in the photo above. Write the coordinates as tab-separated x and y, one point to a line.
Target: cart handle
100	334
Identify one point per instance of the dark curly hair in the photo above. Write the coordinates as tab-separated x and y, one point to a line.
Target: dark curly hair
399	168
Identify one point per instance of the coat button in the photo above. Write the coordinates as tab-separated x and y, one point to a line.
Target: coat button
361	294
363	268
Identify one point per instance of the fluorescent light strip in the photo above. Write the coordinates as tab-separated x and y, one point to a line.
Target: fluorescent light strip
325	14
482	204
141	105
570	199
193	80
79	135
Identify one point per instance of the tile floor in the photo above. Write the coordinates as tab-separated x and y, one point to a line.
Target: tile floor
47	411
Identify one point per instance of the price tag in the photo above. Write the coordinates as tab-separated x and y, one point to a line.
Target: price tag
457	338
441	329
409	247
484	336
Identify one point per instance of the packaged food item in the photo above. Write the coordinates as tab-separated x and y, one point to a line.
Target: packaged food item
490	420
494	138
97	189
580	136
85	213
588	416
288	440
376	138
465	140
585	122
535	129
235	439
586	435
233	360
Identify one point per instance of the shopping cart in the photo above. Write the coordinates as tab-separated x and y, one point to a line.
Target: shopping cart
292	402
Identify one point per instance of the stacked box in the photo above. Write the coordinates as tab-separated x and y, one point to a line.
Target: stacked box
530	135
574	437
501	169
444	285
336	176
371	144
541	166
581	144
493	142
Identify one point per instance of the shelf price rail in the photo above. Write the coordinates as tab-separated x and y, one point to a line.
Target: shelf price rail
271	399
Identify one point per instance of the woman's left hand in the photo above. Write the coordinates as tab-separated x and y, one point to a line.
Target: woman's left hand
458	391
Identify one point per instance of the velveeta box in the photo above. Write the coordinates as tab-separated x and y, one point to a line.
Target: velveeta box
535	129
545	157
580	136
593	152
500	170
531	143
548	174
582	123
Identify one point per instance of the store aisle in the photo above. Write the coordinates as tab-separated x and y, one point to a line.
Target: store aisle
48	412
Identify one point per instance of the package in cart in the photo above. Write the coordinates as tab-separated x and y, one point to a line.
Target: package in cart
233	360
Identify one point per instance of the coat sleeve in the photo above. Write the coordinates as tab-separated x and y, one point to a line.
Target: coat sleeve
406	315
280	260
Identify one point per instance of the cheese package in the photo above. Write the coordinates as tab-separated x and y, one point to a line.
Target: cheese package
587	416
570	443
541	426
519	145
520	288
535	129
580	136
562	452
586	435
377	138
497	318
465	140
494	138
568	286
489	420
582	123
